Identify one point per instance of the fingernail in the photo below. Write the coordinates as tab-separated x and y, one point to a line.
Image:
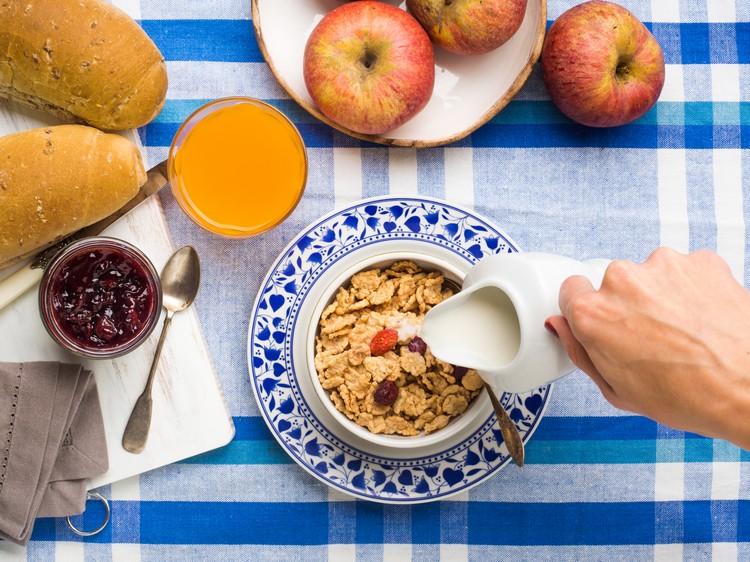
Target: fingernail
550	328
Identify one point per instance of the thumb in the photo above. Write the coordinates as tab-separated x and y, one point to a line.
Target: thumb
571	289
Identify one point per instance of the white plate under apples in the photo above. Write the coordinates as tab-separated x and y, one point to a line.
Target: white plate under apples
469	89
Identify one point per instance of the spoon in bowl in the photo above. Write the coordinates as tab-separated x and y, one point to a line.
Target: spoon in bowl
508	429
180	279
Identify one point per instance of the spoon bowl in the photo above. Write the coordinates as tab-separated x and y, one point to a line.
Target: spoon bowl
180	279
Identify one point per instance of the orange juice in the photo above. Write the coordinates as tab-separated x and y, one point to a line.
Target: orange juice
238	166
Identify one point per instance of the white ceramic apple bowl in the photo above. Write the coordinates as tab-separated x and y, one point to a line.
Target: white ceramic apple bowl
469	90
478	406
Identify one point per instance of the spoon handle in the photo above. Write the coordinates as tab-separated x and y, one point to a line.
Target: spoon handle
508	429
136	432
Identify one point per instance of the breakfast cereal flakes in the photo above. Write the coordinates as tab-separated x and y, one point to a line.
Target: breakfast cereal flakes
392	388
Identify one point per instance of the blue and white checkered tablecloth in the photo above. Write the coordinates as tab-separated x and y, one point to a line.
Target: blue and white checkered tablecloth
599	484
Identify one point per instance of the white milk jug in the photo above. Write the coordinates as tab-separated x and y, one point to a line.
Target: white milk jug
496	323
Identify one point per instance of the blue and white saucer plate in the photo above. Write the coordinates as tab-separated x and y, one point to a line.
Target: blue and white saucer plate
281	375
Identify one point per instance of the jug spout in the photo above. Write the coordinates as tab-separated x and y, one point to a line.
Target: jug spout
478	328
496	323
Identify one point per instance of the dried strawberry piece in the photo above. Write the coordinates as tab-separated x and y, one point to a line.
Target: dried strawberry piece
417	345
386	393
383	341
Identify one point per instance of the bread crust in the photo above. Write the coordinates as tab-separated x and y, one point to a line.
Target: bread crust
56	180
83	60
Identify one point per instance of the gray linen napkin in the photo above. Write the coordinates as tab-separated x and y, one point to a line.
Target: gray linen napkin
51	440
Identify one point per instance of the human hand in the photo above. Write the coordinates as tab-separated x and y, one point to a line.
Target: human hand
668	339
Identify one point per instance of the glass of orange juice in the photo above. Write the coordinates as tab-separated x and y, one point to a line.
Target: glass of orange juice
237	166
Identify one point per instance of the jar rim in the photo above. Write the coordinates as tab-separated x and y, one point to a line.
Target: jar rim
50	319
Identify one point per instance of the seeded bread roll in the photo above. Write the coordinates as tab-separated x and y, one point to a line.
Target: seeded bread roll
82	60
56	180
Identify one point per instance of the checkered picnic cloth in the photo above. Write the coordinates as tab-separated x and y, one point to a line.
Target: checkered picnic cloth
599	484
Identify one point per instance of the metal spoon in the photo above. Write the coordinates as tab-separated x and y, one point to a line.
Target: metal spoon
180	279
508	429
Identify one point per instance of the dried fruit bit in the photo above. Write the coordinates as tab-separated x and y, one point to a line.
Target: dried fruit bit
383	341
417	345
386	393
458	373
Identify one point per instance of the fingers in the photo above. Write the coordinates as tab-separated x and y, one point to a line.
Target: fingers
571	290
578	355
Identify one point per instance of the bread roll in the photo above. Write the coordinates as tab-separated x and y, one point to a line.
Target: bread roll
82	60
56	180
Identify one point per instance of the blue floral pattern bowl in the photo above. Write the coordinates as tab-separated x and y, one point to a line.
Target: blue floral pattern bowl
281	376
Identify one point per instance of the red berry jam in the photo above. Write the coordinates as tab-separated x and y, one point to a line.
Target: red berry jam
100	298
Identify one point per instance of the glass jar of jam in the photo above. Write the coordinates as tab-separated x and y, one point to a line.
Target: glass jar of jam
100	297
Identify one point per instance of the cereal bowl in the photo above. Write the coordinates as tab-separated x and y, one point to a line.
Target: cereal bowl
325	443
454	275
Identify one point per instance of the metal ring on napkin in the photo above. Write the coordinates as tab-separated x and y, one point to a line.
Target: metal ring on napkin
100	528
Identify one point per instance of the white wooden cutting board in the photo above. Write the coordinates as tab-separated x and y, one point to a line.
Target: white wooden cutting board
190	414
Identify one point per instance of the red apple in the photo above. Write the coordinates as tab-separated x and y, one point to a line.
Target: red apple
601	66
469	27
369	66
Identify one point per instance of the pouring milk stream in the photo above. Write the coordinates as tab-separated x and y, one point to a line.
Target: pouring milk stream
496	323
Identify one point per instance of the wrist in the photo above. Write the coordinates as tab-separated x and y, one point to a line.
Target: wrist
736	428
732	422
